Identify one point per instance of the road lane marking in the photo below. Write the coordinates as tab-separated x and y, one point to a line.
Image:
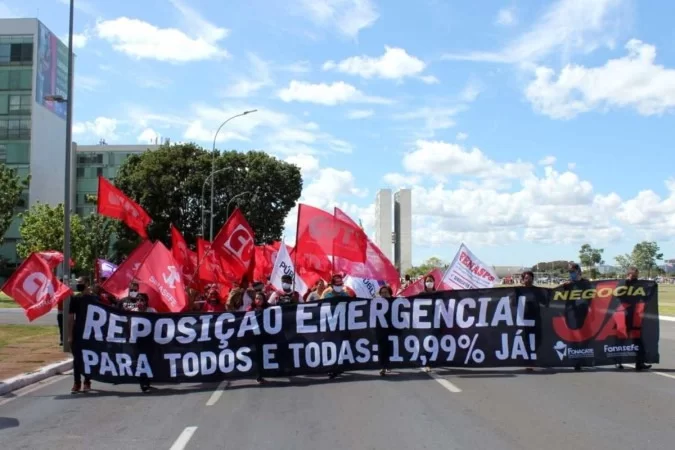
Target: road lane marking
655	372
667	318
444	382
217	393
184	438
33	387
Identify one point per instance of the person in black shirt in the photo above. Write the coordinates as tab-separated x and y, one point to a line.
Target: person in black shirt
76	312
136	302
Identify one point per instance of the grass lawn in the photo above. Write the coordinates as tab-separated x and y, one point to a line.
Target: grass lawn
25	348
7	302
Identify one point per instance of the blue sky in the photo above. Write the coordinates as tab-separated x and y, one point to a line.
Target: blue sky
525	128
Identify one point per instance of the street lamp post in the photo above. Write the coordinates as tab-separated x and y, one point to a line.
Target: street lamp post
241	194
66	201
204	189
213	165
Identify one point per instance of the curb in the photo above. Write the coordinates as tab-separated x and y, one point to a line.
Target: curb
12	384
667	318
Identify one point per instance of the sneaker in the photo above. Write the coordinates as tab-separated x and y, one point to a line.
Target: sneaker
87	386
426	369
332	375
642	366
145	388
383	372
619	366
260	380
76	388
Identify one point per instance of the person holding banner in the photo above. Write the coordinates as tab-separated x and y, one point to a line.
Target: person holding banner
429	284
317	292
337	288
77	305
287	294
385	292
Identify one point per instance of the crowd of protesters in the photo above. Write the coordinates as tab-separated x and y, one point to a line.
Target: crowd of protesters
259	295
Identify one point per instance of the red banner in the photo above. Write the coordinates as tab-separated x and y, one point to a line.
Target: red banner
118	283
159	277
235	245
185	258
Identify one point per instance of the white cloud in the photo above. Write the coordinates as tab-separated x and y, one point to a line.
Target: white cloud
471	91
548	161
394	64
649	213
142	40
506	17
435	118
87	83
326	94
79	40
309	165
461	136
99	128
571	166
349	17
399	180
148	136
429	79
633	81
452	159
360	114
259	78
567	26
297	67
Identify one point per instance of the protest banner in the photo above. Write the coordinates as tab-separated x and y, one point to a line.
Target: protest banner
592	323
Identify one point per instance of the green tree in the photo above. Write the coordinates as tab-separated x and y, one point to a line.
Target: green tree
42	229
426	267
558	266
11	187
97	233
168	183
624	262
645	255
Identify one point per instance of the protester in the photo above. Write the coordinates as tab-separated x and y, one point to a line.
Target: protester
575	277
527	280
317	292
287	294
337	288
59	319
144	304
406	282
130	302
429	284
259	302
78	303
213	303
385	292
633	275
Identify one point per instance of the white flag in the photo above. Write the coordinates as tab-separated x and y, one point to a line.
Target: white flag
283	265
468	272
363	287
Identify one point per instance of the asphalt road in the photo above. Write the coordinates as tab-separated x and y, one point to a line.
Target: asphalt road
17	316
459	409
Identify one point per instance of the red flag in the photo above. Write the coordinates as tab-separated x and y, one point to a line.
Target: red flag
34	287
376	267
235	245
159	277
114	204
265	255
118	283
312	266
418	286
53	258
185	258
210	268
318	229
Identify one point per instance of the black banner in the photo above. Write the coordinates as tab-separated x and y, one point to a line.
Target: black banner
596	323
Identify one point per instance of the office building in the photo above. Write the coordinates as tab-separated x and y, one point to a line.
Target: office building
383	222
403	230
33	66
92	161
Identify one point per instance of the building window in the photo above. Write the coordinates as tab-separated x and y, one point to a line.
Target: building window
17	129
3	153
18	153
90	158
19	104
99	171
20	53
80	172
4	53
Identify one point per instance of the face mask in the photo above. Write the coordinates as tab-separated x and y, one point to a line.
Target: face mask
79	287
574	276
337	289
286	286
429	284
133	294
